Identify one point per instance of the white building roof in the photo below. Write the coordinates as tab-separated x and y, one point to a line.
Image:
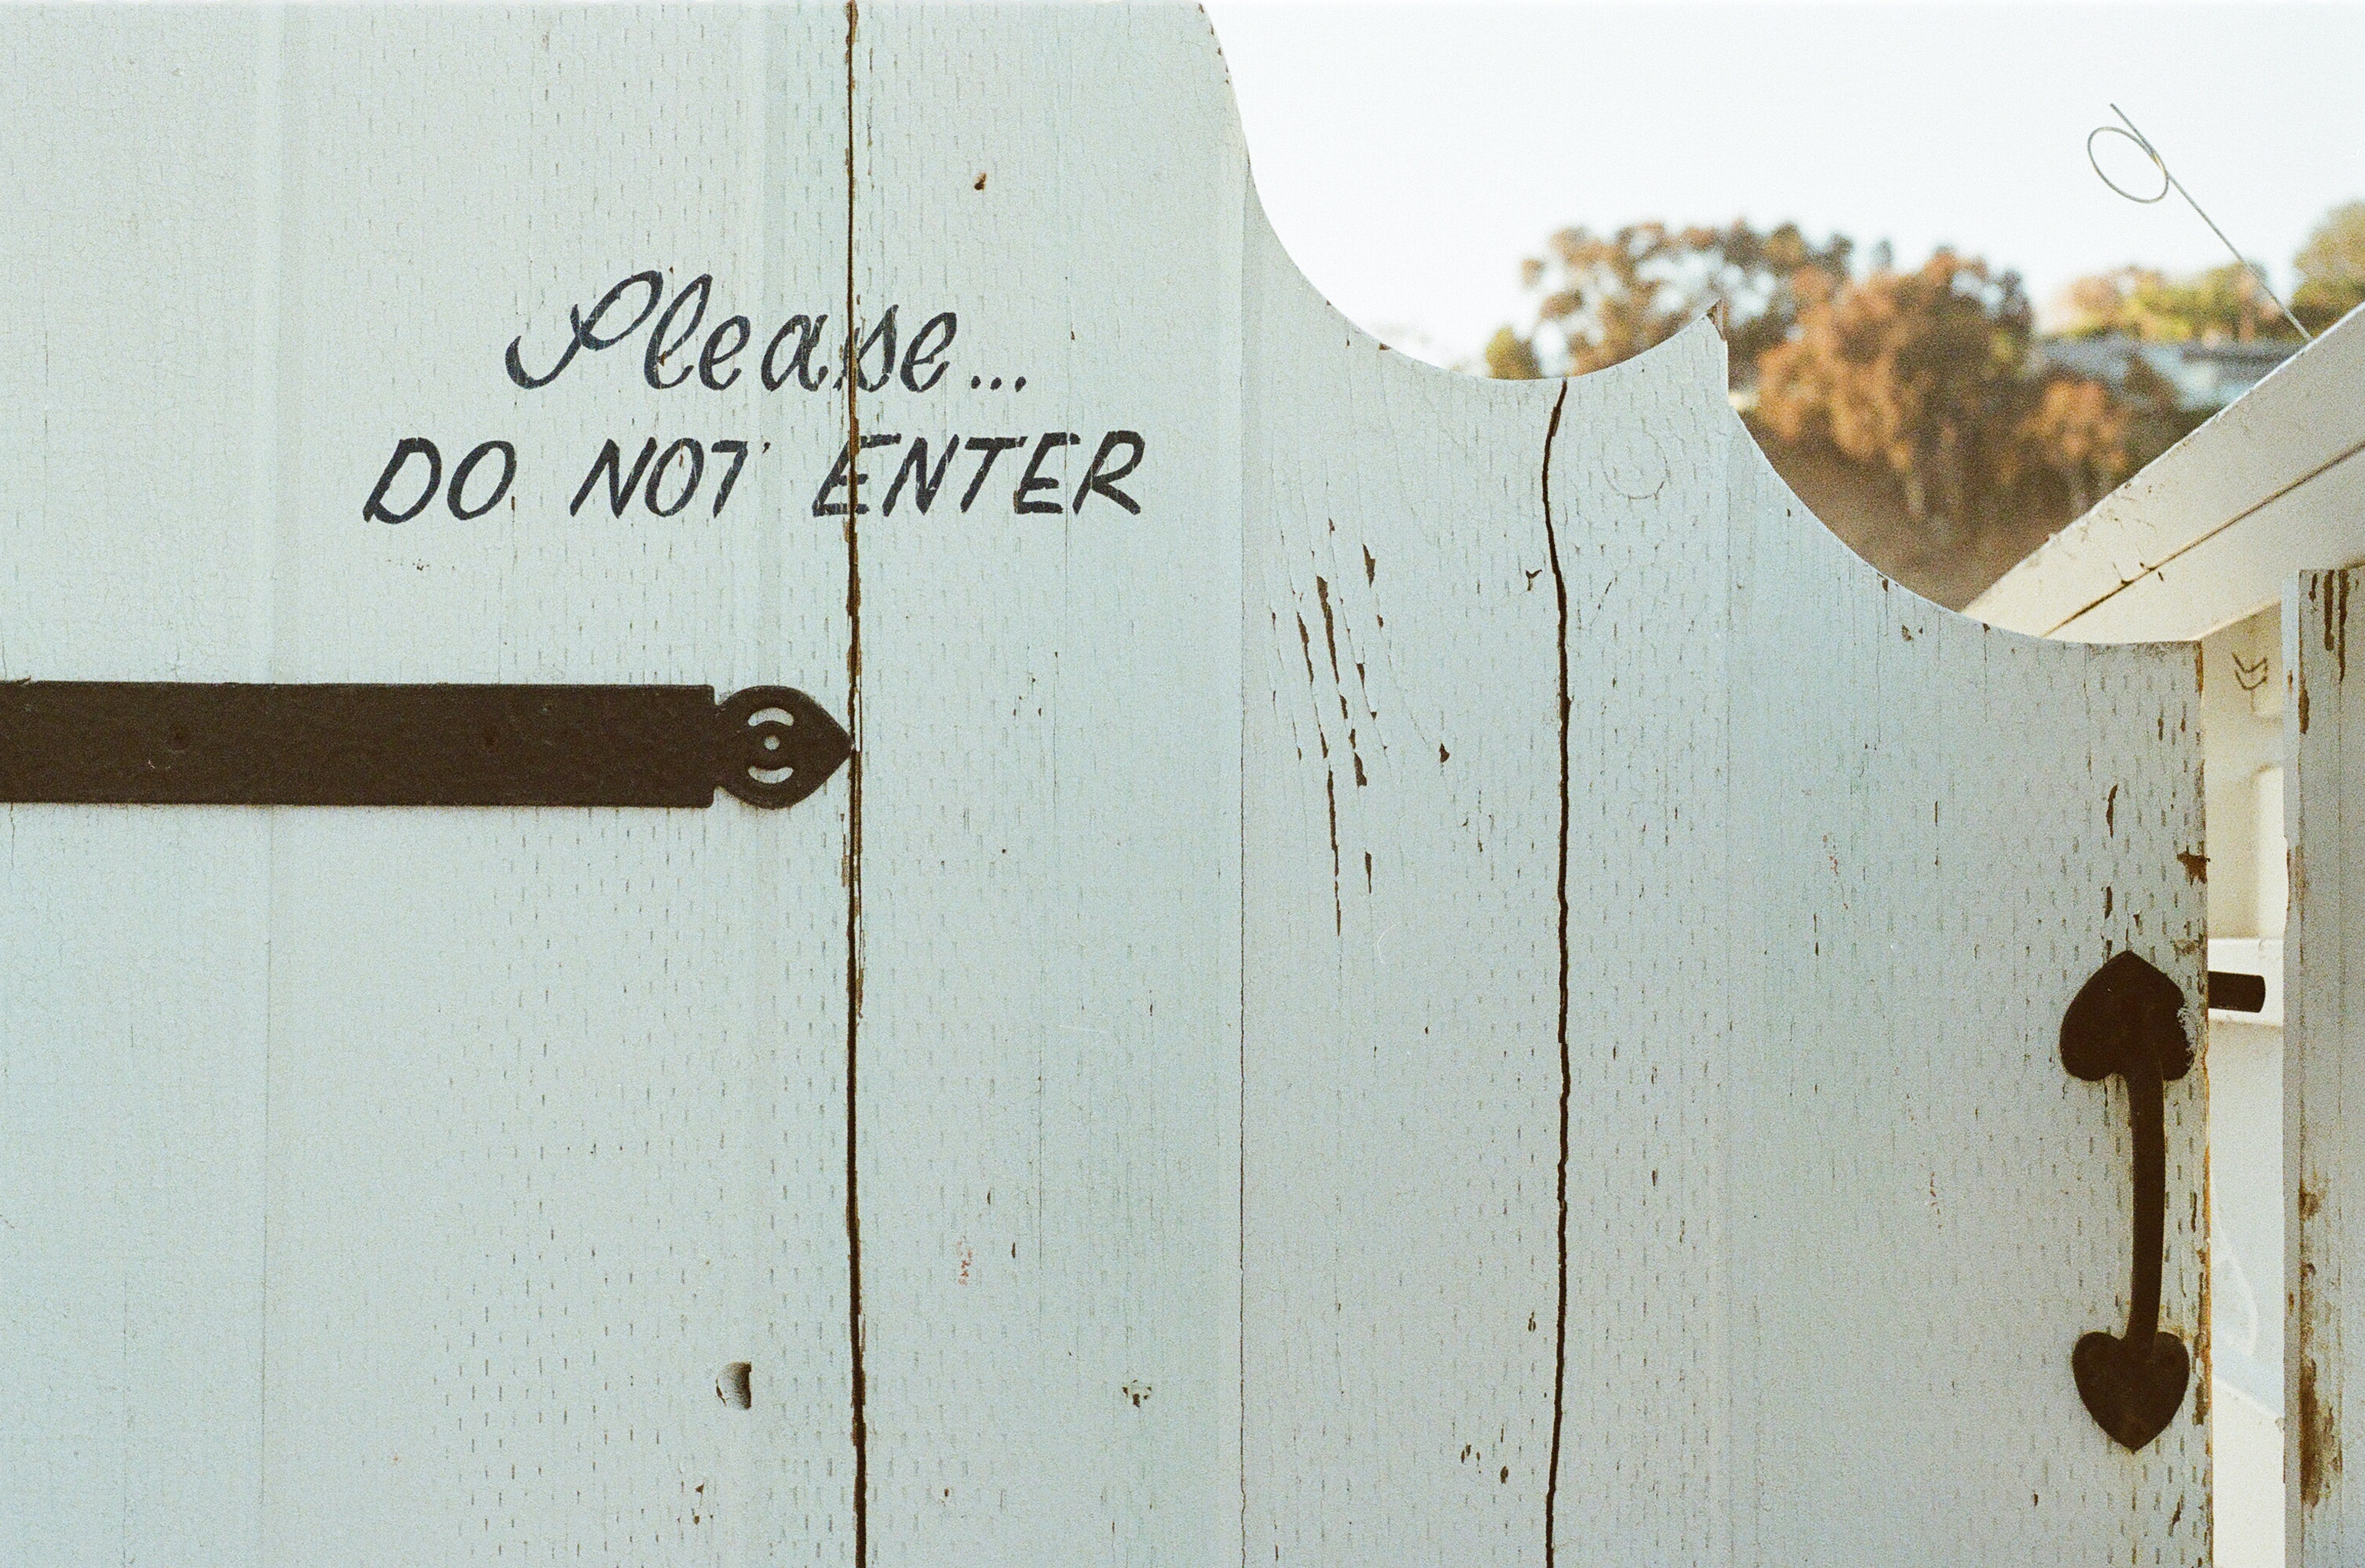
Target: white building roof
2207	534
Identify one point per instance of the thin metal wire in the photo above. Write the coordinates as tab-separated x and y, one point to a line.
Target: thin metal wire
2168	182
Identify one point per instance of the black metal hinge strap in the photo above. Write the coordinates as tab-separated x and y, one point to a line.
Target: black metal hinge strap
2127	1019
172	742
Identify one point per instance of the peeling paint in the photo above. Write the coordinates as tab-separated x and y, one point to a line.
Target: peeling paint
2319	1439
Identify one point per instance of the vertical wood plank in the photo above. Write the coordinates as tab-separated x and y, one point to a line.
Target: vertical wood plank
556	1099
1402	1075
1925	1211
132	945
2324	1040
1050	855
1645	533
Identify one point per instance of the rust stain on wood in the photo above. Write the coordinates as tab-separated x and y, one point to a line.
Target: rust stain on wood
2336	621
2319	1439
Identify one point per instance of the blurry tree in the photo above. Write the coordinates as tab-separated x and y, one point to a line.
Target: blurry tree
1923	374
1927	376
2098	305
1510	357
1608	298
2081	435
2222	304
2331	268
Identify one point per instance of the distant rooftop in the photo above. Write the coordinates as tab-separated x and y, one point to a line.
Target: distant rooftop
2204	376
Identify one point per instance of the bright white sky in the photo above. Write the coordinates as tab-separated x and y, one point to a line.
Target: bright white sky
1410	155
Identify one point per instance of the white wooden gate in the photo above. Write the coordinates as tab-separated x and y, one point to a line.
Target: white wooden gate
1405	969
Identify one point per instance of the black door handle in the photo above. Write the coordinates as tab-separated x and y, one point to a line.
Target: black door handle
175	743
2127	1019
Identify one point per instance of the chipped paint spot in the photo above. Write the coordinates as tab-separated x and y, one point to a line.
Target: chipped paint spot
2340	638
2196	867
1329	629
1338	898
2319	1439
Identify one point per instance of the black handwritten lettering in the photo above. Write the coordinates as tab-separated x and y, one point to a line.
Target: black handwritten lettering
710	356
468	465
738	450
923	352
844	472
914	467
882	336
1102	478
689	487
374	509
803	354
586	329
621	485
992	446
807	330
659	350
1028	483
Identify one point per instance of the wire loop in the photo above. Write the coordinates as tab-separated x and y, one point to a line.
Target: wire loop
2168	182
2142	146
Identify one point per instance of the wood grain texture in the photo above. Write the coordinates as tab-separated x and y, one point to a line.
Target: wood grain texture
1463	985
2324	1043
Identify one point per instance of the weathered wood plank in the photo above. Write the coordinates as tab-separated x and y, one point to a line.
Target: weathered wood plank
1924	877
599	1156
1049	852
1401	1077
2324	1042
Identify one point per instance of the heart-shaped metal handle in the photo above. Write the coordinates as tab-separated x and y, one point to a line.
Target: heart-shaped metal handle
2129	1019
